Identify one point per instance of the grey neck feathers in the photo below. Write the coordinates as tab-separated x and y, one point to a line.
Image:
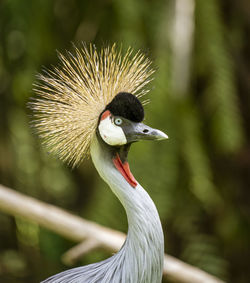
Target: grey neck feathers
140	260
141	257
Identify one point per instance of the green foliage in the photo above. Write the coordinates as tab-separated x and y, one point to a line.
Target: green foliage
220	90
198	179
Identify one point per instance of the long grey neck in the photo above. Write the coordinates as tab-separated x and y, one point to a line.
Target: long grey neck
142	254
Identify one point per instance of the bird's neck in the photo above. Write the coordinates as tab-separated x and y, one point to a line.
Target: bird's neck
144	247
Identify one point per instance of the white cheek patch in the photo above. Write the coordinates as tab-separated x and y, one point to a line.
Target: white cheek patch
110	133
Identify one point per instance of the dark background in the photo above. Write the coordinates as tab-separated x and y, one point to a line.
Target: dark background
199	179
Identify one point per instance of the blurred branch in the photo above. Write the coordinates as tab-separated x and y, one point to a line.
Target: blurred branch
75	253
182	44
77	229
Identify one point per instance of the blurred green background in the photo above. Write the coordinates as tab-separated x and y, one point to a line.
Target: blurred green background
199	179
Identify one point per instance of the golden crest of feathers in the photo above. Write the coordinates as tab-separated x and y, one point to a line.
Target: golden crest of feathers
71	97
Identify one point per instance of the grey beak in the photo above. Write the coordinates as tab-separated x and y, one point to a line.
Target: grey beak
140	131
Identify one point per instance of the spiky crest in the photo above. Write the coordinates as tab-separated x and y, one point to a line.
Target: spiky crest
71	97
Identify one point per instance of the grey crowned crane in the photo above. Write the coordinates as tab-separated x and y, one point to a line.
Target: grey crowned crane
89	106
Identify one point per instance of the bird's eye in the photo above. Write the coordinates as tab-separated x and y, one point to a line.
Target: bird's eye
118	121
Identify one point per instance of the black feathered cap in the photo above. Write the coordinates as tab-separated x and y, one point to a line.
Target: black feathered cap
126	105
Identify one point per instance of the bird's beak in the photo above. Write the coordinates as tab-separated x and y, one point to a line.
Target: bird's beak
139	131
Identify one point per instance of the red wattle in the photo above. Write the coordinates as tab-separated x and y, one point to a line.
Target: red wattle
123	168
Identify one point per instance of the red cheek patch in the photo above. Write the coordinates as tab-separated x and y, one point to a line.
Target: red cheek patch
123	168
105	114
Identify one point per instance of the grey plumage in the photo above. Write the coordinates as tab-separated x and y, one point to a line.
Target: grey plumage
90	105
140	260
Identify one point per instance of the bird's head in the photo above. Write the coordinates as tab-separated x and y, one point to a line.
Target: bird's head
92	93
121	122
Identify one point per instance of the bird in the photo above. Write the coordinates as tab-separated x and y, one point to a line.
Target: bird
90	106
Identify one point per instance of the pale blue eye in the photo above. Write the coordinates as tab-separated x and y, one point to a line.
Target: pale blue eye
118	121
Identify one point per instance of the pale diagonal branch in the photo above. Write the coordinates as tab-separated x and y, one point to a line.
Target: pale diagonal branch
77	252
77	229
